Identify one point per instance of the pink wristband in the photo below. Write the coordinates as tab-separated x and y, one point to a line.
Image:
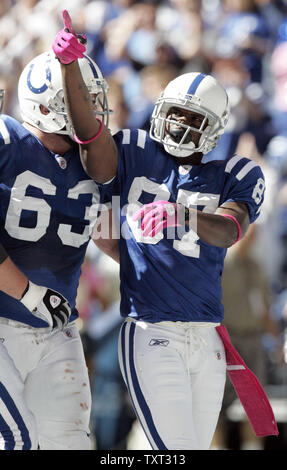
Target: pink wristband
93	138
228	216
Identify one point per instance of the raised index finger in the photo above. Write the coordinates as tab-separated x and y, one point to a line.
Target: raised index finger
67	21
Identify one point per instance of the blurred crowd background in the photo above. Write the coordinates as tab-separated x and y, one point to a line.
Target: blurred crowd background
140	46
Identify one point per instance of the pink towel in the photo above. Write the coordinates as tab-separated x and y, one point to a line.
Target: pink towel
249	390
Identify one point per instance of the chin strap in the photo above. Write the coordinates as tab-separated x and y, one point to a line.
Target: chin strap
180	152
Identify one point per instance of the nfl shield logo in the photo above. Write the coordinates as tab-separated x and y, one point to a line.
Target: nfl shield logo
62	162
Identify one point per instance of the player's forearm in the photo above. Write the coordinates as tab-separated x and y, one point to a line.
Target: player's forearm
78	102
12	281
213	228
99	157
100	160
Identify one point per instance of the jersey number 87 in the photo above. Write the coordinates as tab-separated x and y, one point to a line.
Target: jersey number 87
187	245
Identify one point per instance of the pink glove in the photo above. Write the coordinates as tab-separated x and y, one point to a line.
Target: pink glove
68	45
157	216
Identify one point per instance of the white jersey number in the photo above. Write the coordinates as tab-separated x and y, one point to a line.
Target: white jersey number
258	191
187	245
19	202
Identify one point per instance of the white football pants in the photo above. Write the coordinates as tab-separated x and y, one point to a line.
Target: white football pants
17	423
56	383
175	373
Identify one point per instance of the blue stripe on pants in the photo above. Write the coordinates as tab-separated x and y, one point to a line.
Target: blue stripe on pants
7	434
136	387
10	405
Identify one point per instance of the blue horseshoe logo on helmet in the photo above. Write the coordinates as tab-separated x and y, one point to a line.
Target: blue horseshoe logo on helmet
44	86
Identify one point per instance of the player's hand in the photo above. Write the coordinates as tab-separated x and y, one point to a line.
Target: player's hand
156	216
48	305
68	45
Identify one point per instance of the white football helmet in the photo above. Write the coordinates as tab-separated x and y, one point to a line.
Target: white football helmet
200	94
40	83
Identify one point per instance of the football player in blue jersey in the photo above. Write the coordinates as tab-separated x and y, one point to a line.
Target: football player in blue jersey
48	206
178	215
17	424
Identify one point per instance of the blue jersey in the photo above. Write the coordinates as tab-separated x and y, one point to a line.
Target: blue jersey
47	206
175	278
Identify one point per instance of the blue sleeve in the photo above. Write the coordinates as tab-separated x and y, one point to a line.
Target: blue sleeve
247	185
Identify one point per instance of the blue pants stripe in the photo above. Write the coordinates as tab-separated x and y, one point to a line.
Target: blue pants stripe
14	412
7	434
136	387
